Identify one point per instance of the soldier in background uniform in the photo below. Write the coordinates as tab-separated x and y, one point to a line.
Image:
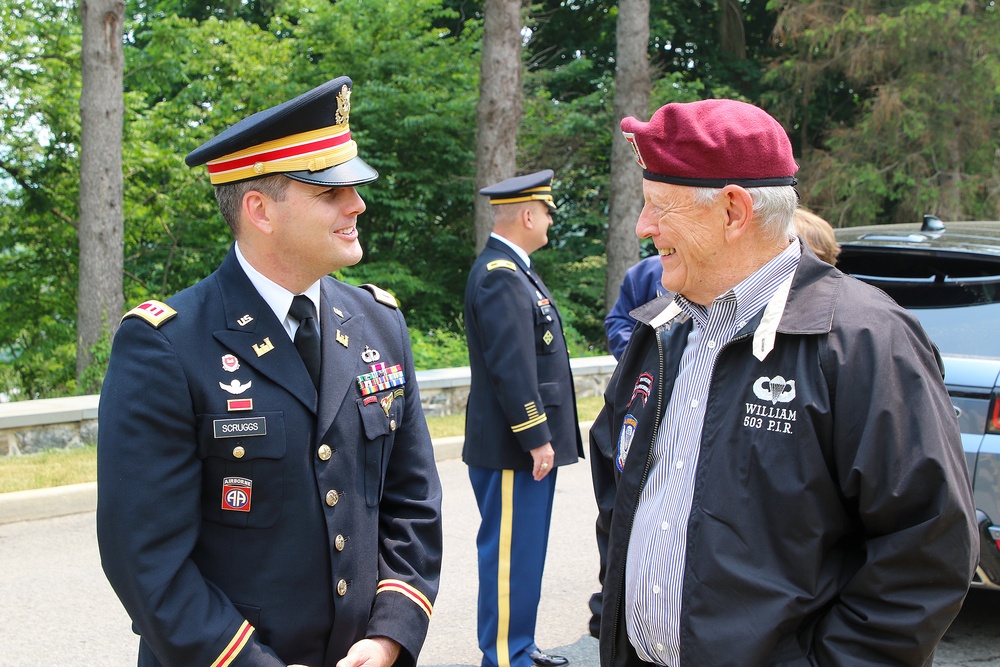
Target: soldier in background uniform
267	487
521	421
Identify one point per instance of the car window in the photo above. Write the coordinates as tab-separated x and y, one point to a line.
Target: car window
967	330
956	296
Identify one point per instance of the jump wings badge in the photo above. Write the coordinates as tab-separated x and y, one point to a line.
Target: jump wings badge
235	387
776	389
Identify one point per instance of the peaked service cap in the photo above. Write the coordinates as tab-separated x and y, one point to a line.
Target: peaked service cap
712	143
307	138
530	187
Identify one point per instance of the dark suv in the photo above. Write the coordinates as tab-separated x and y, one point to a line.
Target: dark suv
948	275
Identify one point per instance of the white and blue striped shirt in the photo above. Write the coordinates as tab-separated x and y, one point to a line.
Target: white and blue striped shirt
654	570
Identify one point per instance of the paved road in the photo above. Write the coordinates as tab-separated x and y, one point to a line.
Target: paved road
56	608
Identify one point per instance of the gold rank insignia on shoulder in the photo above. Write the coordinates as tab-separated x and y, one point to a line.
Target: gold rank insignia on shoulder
501	264
154	312
381	295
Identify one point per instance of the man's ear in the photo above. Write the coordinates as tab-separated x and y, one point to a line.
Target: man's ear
738	210
526	218
256	211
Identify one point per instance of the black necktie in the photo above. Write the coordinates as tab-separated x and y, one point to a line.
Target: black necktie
307	335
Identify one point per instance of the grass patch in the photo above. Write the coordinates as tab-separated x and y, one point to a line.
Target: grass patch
452	425
57	467
54	467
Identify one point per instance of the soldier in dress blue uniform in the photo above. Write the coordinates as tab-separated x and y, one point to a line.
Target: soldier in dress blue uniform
521	421
267	486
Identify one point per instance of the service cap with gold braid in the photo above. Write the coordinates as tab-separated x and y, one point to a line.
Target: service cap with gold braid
307	139
536	186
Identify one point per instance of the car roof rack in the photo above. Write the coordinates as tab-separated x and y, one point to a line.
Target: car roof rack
932	223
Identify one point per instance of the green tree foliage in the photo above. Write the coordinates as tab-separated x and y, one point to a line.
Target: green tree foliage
189	77
40	130
897	107
685	40
891	105
413	114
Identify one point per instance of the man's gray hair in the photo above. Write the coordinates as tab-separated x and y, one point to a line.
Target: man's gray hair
773	207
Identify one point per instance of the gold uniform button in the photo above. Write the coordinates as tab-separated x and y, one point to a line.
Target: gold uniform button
332	497
392	424
339	542
238	452
341	587
324	452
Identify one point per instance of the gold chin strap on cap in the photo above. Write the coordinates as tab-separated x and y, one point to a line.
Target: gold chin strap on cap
307	151
543	193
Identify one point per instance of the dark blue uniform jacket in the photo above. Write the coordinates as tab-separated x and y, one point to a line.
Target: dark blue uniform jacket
522	392
244	520
641	284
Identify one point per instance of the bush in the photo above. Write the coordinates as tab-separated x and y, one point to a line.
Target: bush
438	348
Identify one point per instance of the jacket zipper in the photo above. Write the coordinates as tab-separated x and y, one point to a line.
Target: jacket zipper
645	474
642	484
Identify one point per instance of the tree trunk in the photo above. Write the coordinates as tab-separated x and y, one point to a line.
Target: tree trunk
100	234
499	111
632	86
951	161
732	33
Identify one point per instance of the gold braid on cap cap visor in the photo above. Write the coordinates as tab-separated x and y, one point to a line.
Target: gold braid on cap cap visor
307	151
543	193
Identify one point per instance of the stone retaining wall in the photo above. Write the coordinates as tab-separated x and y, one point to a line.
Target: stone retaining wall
63	423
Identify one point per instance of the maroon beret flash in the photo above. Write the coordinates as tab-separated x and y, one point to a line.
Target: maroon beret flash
711	144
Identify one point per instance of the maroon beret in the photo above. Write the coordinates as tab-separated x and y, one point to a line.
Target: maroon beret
711	144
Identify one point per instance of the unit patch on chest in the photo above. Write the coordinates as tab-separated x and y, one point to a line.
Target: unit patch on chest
236	494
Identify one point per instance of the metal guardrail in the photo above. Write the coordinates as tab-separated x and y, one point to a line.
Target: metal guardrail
23	416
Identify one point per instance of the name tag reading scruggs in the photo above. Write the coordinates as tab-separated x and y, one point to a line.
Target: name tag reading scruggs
240	428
